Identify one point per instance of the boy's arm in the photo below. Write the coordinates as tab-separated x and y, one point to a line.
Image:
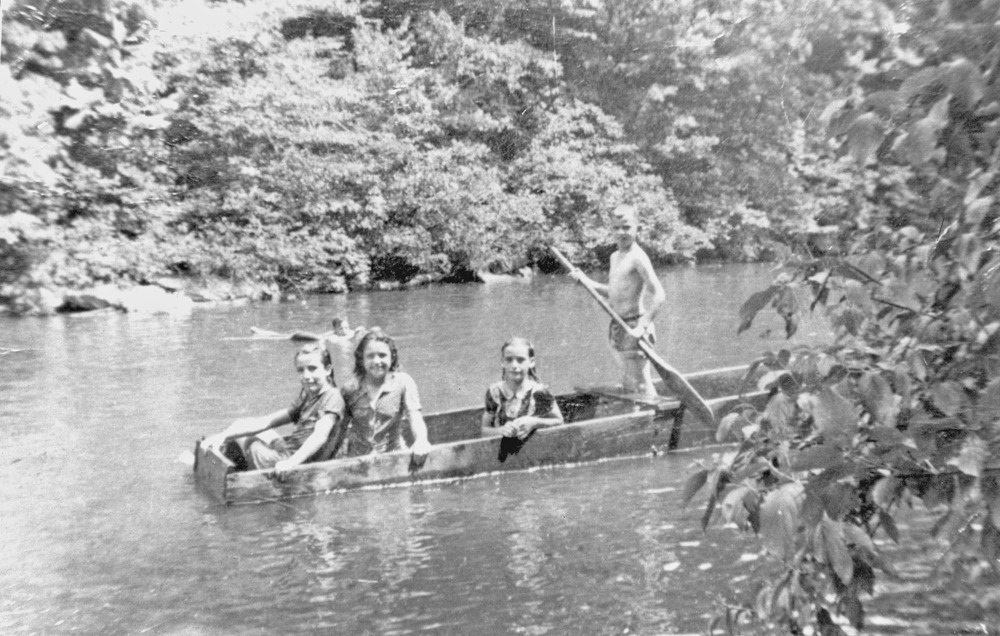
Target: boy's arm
651	282
577	274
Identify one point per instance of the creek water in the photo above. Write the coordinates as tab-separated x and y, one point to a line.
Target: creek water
104	531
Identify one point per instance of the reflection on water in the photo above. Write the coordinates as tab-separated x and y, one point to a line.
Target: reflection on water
104	532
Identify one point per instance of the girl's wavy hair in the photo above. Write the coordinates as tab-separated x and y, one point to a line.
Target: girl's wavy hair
532	373
374	335
324	356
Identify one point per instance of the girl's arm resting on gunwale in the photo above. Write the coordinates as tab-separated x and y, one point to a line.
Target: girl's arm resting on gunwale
421	445
488	430
524	426
315	441
247	426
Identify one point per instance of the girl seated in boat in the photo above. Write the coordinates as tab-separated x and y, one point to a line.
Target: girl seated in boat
380	399
316	413
518	404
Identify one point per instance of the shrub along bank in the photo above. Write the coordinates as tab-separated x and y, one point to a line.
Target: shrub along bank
324	147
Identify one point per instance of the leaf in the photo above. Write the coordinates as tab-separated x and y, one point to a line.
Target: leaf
886	491
726	426
939	490
972	457
864	136
877	397
988	403
839	500
772	378
920	82
917	145
791	325
889	525
853	610
864	577
732	507
779	519
835	416
779	412
833	115
835	549
784	357
966	83
753	305
948	397
817	457
858	538
826	625
990	541
886	103
693	485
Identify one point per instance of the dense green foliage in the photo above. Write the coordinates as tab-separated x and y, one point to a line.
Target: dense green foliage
902	408
315	148
325	146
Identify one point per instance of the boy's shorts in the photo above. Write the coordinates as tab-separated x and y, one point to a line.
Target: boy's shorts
622	341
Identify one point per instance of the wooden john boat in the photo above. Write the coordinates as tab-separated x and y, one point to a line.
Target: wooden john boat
601	422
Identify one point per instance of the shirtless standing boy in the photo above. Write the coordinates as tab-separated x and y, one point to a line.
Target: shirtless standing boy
630	276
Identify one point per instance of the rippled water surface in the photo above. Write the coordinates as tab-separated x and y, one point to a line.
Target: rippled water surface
103	530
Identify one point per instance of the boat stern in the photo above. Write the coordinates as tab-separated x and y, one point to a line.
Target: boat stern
211	471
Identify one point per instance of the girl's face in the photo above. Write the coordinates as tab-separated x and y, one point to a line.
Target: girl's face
377	360
312	373
517	362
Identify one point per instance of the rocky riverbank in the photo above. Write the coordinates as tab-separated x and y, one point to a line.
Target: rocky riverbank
166	295
163	296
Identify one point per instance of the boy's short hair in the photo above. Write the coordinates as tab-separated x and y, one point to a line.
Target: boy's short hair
626	211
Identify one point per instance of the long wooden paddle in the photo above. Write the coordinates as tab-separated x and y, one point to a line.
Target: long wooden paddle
672	379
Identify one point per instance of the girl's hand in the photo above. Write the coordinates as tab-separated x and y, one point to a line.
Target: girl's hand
419	450
281	469
519	428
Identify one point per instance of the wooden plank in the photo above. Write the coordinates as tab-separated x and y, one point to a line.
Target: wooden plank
210	471
629	434
450	426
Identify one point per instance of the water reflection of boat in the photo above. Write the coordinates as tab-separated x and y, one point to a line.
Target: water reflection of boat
601	422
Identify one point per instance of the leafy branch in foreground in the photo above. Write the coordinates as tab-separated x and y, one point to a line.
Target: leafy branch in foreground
902	409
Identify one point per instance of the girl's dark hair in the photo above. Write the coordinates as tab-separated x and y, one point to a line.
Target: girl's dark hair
324	356
374	335
532	373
